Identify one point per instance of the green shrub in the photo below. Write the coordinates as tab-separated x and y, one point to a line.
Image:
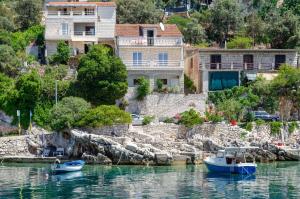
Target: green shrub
104	115
249	126
42	114
143	88
260	122
190	118
148	119
67	112
275	127
243	135
189	86
57	72
292	126
62	55
168	120
159	84
213	117
240	43
249	117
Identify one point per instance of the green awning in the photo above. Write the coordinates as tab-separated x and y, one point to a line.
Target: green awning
223	80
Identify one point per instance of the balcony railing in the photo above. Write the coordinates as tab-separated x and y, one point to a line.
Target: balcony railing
153	64
240	66
150	41
84	33
71	13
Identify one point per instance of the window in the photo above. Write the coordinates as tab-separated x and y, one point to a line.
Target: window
215	61
164	81
64	29
248	62
279	59
135	82
137	58
163	59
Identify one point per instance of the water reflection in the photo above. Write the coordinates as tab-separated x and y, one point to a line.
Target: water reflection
277	180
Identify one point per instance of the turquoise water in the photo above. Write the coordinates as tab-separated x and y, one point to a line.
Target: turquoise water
276	180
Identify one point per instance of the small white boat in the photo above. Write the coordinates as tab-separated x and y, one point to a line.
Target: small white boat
231	160
76	165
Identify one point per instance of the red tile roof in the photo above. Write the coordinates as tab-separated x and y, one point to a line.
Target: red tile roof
102	4
134	30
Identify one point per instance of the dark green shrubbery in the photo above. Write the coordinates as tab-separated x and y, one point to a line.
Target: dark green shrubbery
143	88
275	127
213	117
292	126
189	86
104	116
68	112
190	118
147	120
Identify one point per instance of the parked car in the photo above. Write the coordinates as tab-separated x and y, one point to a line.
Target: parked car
137	120
265	116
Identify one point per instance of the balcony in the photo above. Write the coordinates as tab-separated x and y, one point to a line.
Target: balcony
83	13
150	41
240	66
153	65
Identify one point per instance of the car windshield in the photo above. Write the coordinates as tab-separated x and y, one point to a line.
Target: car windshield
261	113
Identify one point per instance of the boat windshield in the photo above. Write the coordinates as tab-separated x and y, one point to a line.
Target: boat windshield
220	154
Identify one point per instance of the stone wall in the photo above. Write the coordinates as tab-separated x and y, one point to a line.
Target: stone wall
165	105
115	130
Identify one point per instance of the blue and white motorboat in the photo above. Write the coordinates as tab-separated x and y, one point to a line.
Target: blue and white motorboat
231	160
76	165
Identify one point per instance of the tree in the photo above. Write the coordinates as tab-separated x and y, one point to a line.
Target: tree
6	24
284	30
143	88
292	5
286	86
104	116
9	63
28	13
67	112
62	55
231	109
226	18
194	33
102	77
137	12
257	29
240	43
29	89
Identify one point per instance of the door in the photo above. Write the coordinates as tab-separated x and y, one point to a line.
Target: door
150	37
248	62
215	60
279	59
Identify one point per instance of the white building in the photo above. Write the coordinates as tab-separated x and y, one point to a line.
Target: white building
80	24
153	51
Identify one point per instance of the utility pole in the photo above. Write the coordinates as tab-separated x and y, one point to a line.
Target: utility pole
19	121
30	123
56	92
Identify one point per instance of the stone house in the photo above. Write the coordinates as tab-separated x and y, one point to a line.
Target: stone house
154	51
224	68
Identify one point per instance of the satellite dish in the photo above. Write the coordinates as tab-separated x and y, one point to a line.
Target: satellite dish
162	26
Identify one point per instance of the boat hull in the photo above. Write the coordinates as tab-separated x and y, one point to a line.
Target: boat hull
68	167
234	169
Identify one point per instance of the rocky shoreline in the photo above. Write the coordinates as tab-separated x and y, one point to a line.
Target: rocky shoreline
156	144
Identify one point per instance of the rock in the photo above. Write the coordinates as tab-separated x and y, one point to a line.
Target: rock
131	147
163	158
99	159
